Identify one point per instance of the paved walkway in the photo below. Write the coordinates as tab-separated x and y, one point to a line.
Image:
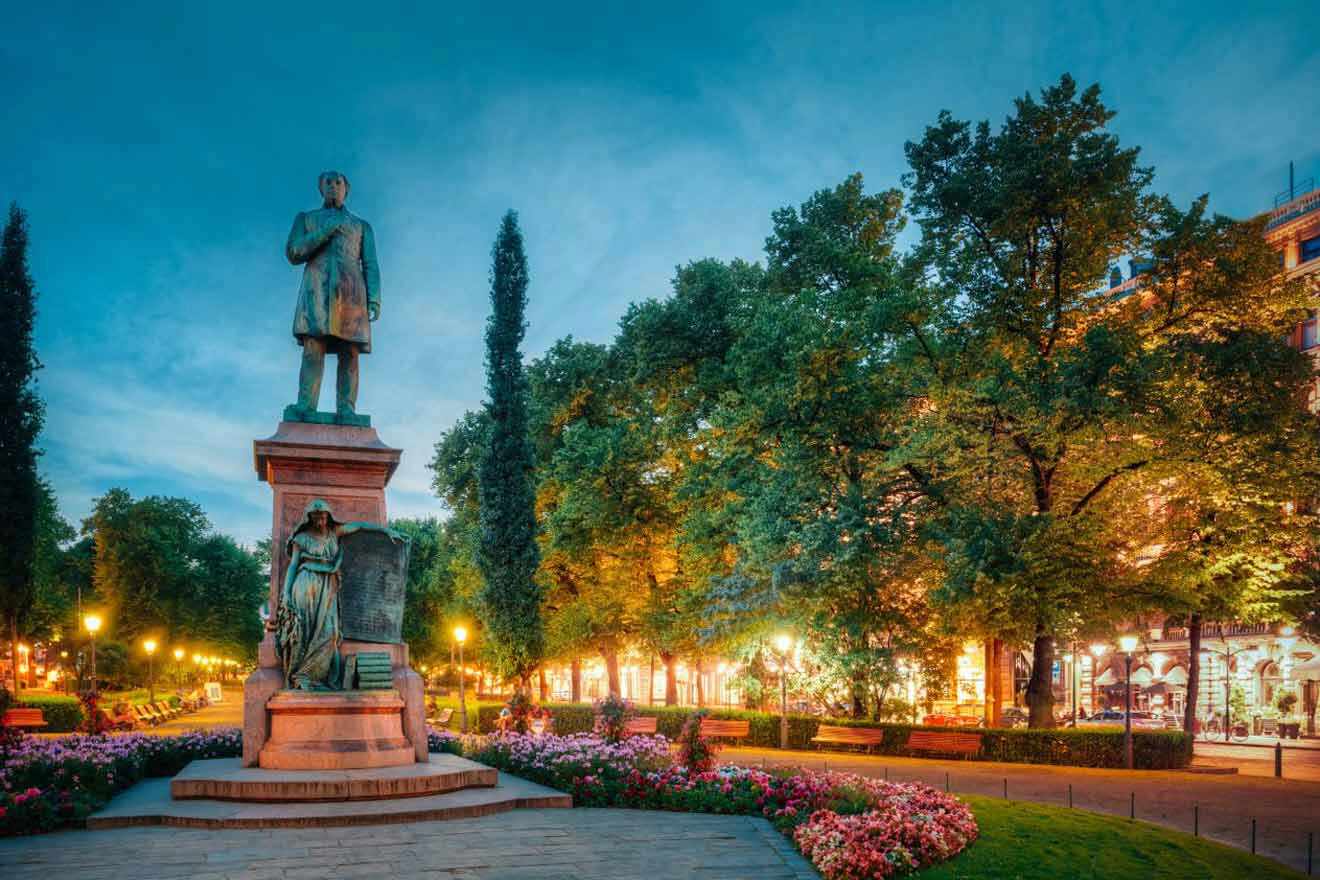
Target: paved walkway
1223	807
540	844
226	714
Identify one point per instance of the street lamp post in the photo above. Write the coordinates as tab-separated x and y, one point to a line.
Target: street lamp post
93	624
150	647
460	636
178	670
1128	645
783	643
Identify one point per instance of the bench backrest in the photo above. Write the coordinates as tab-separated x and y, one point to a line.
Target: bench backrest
944	741
21	717
865	735
640	724
725	728
445	715
163	707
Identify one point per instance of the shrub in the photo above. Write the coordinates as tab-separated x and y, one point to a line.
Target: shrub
614	713
1151	750
62	714
695	752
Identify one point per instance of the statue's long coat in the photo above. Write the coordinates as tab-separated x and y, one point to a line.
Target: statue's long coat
340	279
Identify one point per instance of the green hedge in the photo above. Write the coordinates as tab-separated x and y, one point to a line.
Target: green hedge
1161	750
62	714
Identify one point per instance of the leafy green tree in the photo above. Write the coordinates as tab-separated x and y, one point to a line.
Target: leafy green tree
20	422
825	520
56	574
508	556
159	570
1036	400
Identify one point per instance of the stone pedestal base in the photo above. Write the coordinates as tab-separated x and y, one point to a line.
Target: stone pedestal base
345	730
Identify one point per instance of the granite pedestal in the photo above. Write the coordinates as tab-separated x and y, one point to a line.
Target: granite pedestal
349	467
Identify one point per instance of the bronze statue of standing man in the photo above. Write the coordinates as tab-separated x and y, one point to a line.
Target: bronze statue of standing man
338	300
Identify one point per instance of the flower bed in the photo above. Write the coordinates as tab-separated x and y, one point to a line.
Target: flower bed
48	782
850	826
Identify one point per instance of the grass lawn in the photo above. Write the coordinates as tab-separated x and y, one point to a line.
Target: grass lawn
1027	841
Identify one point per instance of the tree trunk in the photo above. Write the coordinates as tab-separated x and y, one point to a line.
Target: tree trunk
543	684
701	685
611	656
671	680
1193	677
576	668
13	648
1040	694
650	683
858	689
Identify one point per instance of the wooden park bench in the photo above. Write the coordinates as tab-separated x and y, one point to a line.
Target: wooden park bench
147	715
442	719
944	742
166	709
641	725
23	718
720	728
870	737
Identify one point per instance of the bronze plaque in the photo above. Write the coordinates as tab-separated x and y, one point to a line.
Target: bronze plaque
373	578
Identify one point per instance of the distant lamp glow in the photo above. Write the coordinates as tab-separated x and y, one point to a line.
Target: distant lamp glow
460	634
178	654
783	642
197	658
149	646
1287	631
93	623
1099	649
1127	644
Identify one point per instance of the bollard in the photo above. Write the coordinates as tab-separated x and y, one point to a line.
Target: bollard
1005	788
1132	806
1070	795
946	783
1278	760
1196	820
1253	837
1310	846
886	774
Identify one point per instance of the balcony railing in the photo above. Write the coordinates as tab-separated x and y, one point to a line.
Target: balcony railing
1218	631
1305	202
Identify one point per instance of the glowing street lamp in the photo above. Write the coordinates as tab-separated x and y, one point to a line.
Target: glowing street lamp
460	636
1128	645
149	646
783	643
93	624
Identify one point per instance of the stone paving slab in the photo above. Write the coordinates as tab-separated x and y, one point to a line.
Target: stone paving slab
535	844
149	803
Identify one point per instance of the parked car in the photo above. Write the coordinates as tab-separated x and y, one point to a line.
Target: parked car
1114	718
1013	716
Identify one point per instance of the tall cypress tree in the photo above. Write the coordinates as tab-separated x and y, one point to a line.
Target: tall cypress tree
508	555
20	422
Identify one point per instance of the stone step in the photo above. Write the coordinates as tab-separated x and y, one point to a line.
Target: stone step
149	803
225	779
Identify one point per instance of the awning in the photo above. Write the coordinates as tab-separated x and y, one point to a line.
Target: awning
1308	671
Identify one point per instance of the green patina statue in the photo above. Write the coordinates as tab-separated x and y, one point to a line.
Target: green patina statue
338	300
307	623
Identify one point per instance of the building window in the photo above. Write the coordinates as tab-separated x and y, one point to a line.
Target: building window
1310	249
1308	332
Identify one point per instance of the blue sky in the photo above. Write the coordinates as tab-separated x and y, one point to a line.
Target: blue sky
162	152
